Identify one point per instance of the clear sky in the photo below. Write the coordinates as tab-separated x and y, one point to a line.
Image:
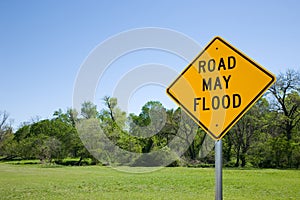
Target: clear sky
44	43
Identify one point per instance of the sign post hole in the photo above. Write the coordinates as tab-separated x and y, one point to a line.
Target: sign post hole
218	170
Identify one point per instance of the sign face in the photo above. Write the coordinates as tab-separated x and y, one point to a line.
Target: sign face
218	87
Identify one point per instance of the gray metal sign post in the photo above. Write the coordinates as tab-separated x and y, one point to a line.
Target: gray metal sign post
218	168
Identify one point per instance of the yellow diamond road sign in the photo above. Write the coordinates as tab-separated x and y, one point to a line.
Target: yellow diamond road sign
218	87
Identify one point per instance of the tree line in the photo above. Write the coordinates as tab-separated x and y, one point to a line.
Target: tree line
267	136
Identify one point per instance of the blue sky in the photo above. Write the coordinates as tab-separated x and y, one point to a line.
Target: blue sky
44	43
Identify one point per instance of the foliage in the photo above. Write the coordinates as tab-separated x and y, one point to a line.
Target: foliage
267	136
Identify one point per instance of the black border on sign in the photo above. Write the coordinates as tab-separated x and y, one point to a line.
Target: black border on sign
234	121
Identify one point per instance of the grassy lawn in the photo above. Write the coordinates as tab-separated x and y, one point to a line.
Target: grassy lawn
95	182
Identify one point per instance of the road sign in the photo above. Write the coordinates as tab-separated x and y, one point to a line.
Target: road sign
219	86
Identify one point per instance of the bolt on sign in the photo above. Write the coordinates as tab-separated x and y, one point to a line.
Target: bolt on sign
218	87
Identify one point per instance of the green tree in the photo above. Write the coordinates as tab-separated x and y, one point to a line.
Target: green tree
47	140
286	103
7	146
184	128
72	143
286	92
70	117
148	126
245	132
112	119
89	110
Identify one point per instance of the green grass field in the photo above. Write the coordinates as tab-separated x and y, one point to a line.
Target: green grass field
95	182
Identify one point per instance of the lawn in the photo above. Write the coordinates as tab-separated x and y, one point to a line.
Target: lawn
95	182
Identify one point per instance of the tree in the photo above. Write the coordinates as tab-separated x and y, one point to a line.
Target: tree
6	135
5	126
287	101
112	118
113	123
148	126
184	129
70	117
72	143
244	133
8	146
48	140
89	110
46	148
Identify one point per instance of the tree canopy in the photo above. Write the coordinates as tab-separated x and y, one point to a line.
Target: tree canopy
268	135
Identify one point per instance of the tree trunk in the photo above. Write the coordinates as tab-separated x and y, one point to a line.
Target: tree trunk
79	161
192	151
243	159
227	155
237	163
148	146
289	128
